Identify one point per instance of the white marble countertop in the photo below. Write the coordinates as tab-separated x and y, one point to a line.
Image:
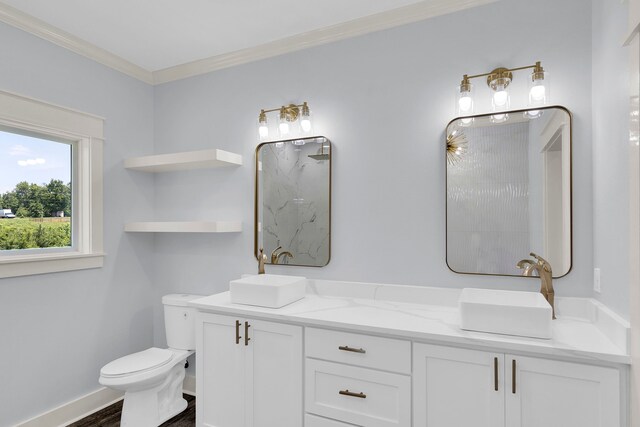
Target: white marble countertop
584	329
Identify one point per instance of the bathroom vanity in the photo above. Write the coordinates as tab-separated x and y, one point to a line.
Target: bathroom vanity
382	355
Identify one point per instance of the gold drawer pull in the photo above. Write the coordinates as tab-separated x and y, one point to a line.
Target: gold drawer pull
351	349
238	332
361	395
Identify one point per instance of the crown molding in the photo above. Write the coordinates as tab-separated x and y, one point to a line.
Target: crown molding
35	26
357	27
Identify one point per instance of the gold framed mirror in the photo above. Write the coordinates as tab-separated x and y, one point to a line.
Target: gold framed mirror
293	201
509	191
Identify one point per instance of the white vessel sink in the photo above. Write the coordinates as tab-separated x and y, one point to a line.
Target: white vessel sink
268	290
526	314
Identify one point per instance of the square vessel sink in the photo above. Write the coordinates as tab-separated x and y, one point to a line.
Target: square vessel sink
268	290
526	314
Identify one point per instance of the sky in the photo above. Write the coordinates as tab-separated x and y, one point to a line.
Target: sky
35	160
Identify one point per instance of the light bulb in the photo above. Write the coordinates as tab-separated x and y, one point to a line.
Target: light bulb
464	104
538	87
305	118
500	98
284	128
263	128
537	93
464	96
283	124
532	114
499	118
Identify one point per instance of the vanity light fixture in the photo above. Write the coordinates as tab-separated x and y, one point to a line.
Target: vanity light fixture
498	81
288	115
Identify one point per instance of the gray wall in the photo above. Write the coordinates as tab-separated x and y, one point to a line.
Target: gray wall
384	100
58	330
610	153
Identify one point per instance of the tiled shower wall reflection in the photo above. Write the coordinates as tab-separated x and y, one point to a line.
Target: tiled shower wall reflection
296	202
488	201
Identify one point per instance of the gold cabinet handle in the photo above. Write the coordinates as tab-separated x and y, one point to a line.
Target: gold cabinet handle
238	332
513	376
495	373
361	395
351	349
246	333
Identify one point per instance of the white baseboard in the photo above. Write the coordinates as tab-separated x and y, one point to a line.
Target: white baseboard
88	404
76	409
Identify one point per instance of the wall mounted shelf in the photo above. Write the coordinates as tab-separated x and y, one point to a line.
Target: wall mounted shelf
184	227
213	158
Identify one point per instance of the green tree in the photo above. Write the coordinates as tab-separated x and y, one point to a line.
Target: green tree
57	197
22	212
10	201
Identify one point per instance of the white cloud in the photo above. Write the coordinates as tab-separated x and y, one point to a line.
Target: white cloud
19	150
32	162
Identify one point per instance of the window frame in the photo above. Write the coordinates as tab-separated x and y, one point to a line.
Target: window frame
86	133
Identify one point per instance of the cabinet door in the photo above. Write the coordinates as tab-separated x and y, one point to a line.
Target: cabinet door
273	381
549	393
220	370
457	387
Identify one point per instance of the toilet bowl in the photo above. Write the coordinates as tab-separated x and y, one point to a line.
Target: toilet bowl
152	379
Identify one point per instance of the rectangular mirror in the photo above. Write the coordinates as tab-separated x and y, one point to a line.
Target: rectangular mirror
293	201
509	191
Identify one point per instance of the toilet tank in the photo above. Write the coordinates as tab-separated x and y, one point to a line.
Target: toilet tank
179	321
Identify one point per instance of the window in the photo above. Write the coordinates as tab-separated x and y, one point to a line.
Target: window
36	202
50	188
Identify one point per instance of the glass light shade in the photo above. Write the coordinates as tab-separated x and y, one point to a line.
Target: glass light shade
532	114
499	118
305	122
284	127
464	99
500	100
263	130
263	127
539	89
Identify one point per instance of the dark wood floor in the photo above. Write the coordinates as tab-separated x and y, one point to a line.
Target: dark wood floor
110	416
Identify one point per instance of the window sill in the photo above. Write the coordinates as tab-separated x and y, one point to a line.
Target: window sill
15	266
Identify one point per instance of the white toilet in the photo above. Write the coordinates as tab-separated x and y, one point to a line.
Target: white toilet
152	379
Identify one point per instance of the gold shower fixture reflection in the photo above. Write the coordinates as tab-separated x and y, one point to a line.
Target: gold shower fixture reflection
498	81
456	147
287	116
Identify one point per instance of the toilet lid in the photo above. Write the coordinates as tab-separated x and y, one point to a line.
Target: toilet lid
137	362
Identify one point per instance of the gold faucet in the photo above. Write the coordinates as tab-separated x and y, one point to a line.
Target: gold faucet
262	258
275	256
543	268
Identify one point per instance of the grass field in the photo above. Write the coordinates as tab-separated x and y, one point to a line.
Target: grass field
27	233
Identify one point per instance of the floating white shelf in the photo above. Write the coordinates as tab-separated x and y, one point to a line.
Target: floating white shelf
213	158
185	227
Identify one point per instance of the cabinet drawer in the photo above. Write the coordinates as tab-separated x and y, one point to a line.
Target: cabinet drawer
357	395
313	421
362	350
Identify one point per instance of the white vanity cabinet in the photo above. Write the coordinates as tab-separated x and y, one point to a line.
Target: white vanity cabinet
358	379
460	387
249	372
